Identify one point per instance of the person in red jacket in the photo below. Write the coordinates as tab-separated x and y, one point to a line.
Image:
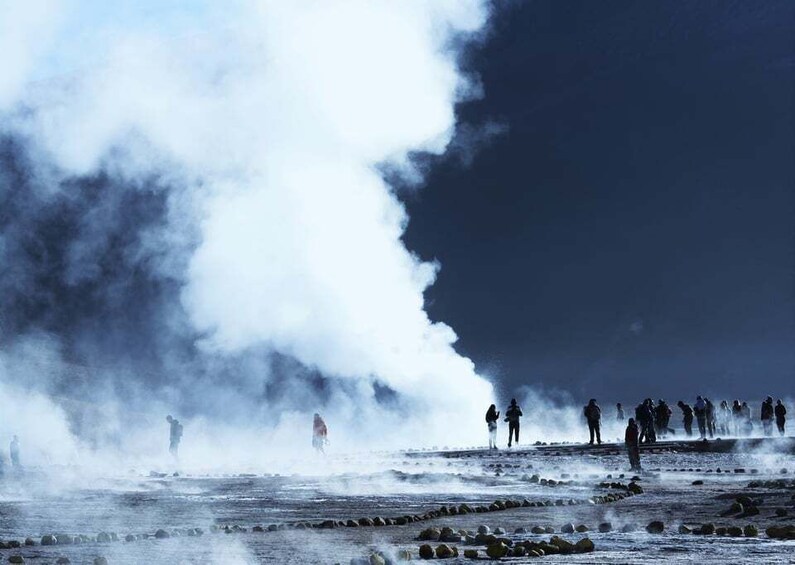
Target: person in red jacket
319	434
633	446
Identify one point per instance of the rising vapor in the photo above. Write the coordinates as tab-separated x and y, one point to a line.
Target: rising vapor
194	219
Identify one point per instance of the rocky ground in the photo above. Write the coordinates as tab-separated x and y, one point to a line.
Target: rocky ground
701	502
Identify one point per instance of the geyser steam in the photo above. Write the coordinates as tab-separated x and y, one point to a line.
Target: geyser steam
200	190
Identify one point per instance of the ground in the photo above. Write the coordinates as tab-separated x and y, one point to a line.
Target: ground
390	485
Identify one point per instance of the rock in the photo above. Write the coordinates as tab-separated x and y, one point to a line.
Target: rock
735	531
13	544
376	559
707	529
605	527
721	530
62	561
430	534
585	545
750	531
29	541
655	527
697	483
781	512
564	546
444	551
404	555
582	528
16	559
48	540
549	530
518	551
471	553
378	521
129	537
685	530
497	550
735	508
567	528
104	537
538	530
100	561
751	511
426	552
484	530
548	548
744	500
634	488
520	531
627	528
367	522
159	534
499	531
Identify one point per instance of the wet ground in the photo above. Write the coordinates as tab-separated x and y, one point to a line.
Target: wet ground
57	501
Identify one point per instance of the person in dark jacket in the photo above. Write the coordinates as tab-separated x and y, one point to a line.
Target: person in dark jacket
491	421
767	416
174	435
631	438
710	417
620	412
687	417
593	414
781	416
512	416
700	410
644	418
737	417
662	417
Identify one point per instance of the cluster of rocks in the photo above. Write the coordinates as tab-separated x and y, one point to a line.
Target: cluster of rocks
60	561
742	507
749	531
781	532
778	483
101	537
504	547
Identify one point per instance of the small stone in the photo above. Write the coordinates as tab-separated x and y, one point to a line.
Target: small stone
585	545
605	527
426	552
497	550
159	534
471	553
655	527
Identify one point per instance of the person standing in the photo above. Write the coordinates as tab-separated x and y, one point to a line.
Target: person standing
593	414
174	435
687	417
700	410
491	421
662	417
767	416
748	422
319	434
14	452
781	416
631	438
737	418
512	416
620	412
710	417
725	418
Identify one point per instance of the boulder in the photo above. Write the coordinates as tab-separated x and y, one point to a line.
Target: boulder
48	540
564	546
518	551
13	544
499	531
29	541
16	559
549	530
697	483
104	537
585	545
129	537
444	551
735	531
634	488
62	561
430	534
685	530
707	529
781	512
483	529
605	527
365	522
567	529
100	561
378	521
744	500
159	534
750	531
582	528
497	550
404	555
721	530
471	553
426	551
655	527
520	531
538	530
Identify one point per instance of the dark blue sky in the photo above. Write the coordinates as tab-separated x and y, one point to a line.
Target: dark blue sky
633	232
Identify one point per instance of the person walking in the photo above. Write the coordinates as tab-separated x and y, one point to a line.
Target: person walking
631	438
662	417
767	416
593	414
710	417
687	417
512	416
737	418
781	416
491	421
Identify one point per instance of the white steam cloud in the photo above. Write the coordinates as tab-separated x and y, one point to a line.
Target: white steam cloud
272	118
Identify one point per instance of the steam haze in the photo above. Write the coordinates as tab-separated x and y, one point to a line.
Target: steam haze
193	220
